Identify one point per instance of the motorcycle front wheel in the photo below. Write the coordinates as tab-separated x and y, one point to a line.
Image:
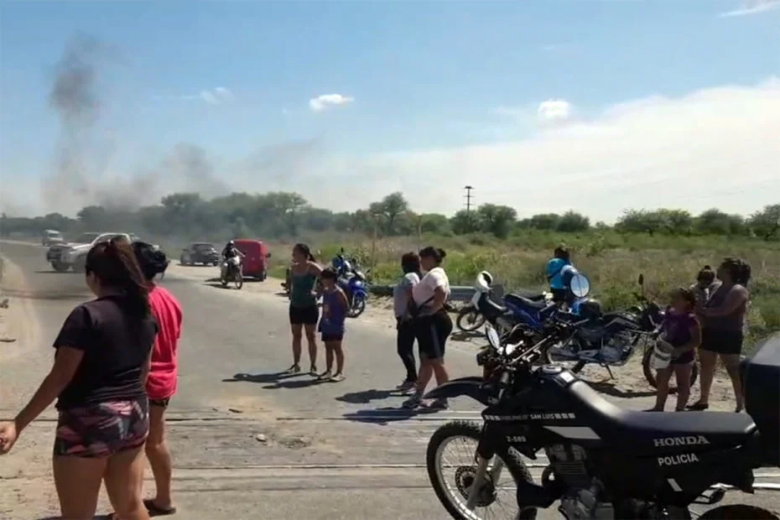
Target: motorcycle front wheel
738	511
469	319
650	373
497	496
358	307
238	280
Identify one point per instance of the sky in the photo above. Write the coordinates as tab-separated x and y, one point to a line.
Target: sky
544	105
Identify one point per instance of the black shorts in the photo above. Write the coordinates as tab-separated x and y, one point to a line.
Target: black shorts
722	341
328	337
684	359
162	403
432	333
304	315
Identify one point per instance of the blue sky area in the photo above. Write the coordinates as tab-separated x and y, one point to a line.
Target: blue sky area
236	77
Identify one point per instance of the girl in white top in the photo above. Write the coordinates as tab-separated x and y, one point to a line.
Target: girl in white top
432	324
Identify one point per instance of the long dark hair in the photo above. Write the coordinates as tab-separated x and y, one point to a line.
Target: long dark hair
738	270
151	260
115	265
437	254
410	263
305	251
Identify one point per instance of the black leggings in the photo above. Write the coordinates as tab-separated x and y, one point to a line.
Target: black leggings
405	340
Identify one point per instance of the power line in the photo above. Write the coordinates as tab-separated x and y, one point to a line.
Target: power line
469	197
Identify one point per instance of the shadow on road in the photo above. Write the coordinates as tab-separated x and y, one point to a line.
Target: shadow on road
56	272
609	388
260	378
385	416
461	335
366	396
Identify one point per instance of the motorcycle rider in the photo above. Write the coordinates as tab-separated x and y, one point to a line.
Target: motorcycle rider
231	251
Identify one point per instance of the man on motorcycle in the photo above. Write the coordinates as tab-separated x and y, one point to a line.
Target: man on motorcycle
231	251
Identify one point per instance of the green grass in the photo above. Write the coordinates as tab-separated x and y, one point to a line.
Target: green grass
612	262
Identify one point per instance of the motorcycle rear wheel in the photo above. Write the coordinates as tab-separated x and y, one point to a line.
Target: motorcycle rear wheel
650	373
512	460
469	319
738	512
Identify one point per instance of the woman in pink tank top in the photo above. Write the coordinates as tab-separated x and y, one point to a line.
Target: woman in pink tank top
161	384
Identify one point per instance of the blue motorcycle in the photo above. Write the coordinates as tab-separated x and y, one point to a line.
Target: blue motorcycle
353	282
529	310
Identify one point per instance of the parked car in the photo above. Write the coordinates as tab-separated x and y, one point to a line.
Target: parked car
256	257
64	256
51	237
200	253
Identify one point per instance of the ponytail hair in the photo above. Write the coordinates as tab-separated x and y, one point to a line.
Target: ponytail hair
437	254
116	267
305	250
706	275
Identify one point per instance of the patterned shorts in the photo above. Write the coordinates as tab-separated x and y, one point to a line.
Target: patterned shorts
102	430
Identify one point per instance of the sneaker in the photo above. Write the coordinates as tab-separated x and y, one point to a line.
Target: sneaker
438	404
337	378
413	402
406	386
295	369
325	375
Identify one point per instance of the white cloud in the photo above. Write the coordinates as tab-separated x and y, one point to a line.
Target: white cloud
554	110
749	7
326	101
711	148
215	96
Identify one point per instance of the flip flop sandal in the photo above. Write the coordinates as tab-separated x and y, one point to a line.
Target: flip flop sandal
155	510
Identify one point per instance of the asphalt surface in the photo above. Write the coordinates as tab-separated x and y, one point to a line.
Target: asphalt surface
247	443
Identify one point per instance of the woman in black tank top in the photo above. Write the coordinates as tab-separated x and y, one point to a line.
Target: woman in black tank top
723	319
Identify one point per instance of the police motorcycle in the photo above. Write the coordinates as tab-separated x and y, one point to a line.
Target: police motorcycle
603	462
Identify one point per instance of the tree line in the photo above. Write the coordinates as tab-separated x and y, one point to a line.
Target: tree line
278	215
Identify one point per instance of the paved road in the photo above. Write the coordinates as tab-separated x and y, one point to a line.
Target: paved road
248	444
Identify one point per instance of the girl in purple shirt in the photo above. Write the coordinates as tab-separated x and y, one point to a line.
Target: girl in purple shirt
682	332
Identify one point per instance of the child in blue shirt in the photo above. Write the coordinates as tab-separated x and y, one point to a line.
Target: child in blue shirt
334	314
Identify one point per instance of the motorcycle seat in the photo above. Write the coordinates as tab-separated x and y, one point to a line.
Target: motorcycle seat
489	307
525	303
653	432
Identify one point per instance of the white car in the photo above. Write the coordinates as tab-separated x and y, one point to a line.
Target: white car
74	254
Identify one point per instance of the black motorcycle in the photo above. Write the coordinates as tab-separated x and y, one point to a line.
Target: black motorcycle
604	462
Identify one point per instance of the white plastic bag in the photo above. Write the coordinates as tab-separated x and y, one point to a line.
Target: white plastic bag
662	355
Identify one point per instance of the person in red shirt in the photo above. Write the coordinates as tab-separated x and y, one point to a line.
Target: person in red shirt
161	384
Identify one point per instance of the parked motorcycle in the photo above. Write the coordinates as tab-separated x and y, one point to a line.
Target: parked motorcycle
612	339
355	287
604	462
531	309
231	272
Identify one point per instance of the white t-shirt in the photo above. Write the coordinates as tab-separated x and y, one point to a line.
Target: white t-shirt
423	292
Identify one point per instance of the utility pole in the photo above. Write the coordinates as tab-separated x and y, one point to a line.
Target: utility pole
469	196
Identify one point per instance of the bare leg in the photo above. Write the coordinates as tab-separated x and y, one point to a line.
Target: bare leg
297	334
159	457
78	482
339	351
440	370
682	374
123	478
732	367
662	378
708	360
311	338
426	373
329	357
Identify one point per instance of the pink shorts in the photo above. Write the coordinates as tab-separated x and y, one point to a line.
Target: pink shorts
102	430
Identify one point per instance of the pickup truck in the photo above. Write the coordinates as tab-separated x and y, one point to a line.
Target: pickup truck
73	255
